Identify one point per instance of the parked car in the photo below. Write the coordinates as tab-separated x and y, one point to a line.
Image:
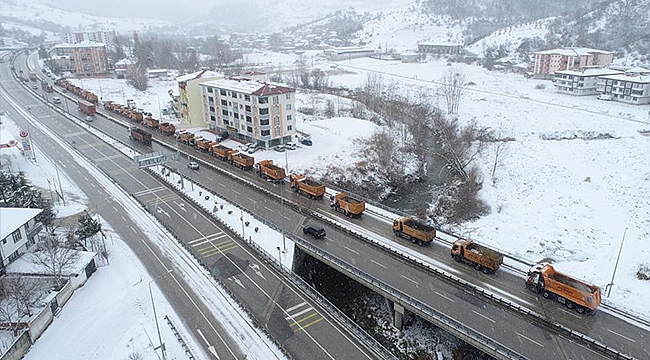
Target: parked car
89	118
193	165
306	142
56	100
290	146
34	87
315	231
279	148
253	148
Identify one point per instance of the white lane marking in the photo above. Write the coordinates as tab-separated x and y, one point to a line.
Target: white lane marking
378	264
352	250
411	280
299	313
210	347
623	336
446	297
235	191
135	232
295	307
483	316
269	209
529	339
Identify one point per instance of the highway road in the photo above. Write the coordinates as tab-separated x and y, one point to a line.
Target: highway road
302	327
604	327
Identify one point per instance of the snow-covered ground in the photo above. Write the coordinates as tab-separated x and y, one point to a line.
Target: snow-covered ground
565	200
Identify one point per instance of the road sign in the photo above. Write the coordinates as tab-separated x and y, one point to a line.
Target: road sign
23	133
150	159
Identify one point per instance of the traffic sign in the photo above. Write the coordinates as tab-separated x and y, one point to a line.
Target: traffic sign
23	133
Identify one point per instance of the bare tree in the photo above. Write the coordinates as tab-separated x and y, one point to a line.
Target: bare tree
55	255
451	86
139	78
457	144
20	294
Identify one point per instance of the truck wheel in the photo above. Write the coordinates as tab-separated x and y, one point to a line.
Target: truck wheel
485	270
546	294
580	309
457	258
477	267
569	304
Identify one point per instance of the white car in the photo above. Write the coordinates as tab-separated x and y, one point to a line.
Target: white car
279	148
193	165
290	146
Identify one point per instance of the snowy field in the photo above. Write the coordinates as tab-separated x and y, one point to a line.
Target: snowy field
568	200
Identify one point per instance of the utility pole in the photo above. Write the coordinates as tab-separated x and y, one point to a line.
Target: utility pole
620	249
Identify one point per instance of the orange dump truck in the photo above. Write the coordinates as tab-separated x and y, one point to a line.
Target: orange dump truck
150	122
203	144
347	204
267	170
221	151
241	160
479	256
167	128
307	186
418	232
185	137
135	115
573	293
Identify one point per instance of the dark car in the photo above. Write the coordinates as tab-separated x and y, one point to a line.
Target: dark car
315	231
306	142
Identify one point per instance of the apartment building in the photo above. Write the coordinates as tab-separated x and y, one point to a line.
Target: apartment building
546	63
190	108
440	48
346	53
252	111
18	233
86	58
632	87
581	82
101	36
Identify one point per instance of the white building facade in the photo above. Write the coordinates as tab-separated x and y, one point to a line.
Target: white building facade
633	87
252	111
583	82
18	233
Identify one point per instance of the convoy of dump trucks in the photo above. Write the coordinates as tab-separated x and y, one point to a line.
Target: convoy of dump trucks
543	279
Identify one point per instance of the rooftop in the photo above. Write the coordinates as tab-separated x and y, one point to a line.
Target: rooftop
573	51
13	218
84	44
641	79
201	74
249	87
590	72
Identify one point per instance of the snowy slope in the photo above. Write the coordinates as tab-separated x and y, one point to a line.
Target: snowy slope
512	36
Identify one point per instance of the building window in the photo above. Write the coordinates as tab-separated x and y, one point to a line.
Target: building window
288	107
223	92
212	108
224	103
275	100
248	118
224	112
289	127
210	99
233	94
264	122
17	236
209	89
237	116
212	117
288	96
247	98
263	100
249	129
266	132
288	117
264	111
247	108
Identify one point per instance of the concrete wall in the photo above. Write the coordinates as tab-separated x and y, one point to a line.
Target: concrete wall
19	348
40	322
64	294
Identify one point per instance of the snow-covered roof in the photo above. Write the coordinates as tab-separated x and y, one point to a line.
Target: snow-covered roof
641	79
637	70
83	44
13	218
202	74
573	51
589	72
249	87
125	62
438	44
25	265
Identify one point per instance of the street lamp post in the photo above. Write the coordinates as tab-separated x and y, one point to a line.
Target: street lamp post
153	305
609	286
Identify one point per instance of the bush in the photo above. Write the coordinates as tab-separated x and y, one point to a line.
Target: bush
540	86
460	202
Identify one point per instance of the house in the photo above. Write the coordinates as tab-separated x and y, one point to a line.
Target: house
189	96
346	53
581	82
19	231
88	58
124	67
632	87
545	63
252	111
440	48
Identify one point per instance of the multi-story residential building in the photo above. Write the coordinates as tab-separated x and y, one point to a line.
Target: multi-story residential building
88	58
190	98
440	48
124	68
633	87
582	82
346	53
18	233
102	36
546	63
258	112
